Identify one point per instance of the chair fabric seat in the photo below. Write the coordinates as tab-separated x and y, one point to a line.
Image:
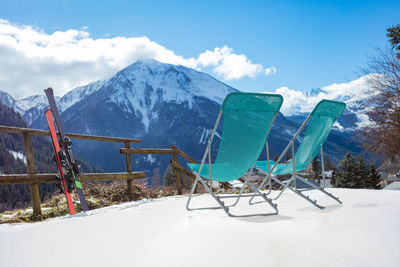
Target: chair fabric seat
318	128
220	172
247	119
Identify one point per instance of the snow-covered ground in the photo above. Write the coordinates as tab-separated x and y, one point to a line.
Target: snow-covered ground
364	231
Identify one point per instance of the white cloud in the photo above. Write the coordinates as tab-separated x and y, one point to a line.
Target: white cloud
269	71
294	101
32	60
230	65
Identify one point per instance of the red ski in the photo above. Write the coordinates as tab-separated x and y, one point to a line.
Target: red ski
57	152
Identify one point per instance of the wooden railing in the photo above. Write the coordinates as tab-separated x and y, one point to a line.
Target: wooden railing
33	179
174	151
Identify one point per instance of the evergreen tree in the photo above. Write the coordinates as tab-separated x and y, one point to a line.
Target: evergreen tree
355	174
361	178
316	169
394	38
374	179
169	176
348	170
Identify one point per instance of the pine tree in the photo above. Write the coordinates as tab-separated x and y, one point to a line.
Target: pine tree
394	38
169	176
316	169
361	178
348	170
374	178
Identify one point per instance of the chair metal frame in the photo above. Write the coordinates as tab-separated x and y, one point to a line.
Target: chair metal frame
269	177
218	197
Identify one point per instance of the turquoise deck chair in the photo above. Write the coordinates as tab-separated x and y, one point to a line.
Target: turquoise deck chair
319	124
247	120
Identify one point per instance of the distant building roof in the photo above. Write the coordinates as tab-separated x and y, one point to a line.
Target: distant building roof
391	178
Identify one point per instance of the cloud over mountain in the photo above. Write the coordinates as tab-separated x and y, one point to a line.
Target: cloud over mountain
33	59
297	101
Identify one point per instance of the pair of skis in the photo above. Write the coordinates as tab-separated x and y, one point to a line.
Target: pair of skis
68	168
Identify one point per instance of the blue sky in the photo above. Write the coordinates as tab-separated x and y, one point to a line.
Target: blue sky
310	43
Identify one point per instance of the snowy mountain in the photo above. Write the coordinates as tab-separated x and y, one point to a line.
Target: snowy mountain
355	94
159	103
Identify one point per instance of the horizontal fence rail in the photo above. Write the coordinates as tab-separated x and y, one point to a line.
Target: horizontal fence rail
9	129
146	151
178	169
174	151
52	177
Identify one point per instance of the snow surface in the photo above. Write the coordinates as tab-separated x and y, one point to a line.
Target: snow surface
364	231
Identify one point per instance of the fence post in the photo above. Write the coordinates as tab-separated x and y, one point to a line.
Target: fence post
30	165
128	161
177	172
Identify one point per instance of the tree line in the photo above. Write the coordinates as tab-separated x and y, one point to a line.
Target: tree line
351	172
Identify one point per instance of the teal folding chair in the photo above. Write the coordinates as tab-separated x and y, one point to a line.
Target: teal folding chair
247	120
319	123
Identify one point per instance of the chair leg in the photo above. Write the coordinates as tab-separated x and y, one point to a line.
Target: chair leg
299	192
267	178
285	185
225	207
320	189
192	191
258	192
240	194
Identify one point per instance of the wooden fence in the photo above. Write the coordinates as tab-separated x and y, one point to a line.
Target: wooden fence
33	179
174	151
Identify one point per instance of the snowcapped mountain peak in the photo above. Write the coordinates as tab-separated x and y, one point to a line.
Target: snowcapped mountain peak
7	100
33	102
173	79
140	86
136	89
355	94
79	93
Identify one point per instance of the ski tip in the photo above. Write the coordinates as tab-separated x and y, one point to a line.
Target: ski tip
48	90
